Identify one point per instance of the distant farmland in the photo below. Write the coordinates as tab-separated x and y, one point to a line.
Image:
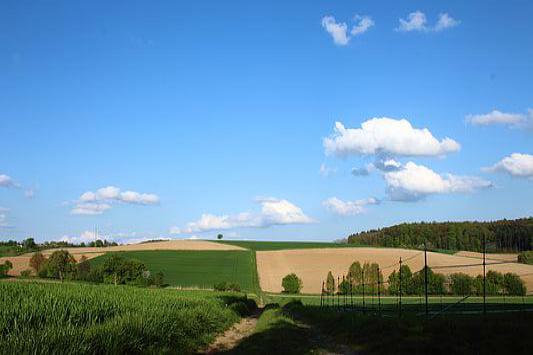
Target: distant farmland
200	269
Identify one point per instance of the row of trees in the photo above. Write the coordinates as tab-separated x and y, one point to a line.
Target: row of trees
114	270
503	235
368	278
28	245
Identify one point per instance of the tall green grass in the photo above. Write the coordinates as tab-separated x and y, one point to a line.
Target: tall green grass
43	318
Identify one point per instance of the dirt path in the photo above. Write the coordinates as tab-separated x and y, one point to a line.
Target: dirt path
233	336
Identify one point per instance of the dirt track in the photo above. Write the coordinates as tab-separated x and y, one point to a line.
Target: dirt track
312	265
21	262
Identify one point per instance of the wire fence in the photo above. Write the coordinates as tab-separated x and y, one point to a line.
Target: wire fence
426	292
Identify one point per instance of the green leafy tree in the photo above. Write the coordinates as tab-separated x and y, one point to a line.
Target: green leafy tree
37	260
462	284
220	236
5	267
514	285
291	284
60	264
406	281
354	273
344	287
83	268
29	244
330	283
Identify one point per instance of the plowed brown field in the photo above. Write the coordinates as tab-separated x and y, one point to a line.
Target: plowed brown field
312	265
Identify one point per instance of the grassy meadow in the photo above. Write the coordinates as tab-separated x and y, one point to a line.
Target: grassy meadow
201	269
48	318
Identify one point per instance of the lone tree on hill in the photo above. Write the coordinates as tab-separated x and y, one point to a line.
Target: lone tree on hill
291	283
220	236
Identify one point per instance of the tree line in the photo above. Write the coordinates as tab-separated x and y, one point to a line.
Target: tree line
501	236
115	269
368	278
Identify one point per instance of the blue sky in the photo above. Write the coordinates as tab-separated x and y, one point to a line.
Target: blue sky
208	116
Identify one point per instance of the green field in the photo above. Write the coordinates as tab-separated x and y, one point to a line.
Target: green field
68	318
201	269
264	246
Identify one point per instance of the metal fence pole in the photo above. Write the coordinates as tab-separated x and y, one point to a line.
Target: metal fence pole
400	293
363	283
426	276
379	293
484	275
344	291
322	296
338	292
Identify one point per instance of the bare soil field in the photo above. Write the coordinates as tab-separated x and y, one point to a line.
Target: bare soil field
312	265
21	262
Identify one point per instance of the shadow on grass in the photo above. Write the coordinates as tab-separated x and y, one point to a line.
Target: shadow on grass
278	333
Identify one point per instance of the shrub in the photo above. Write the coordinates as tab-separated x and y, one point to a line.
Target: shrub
461	284
36	262
526	257
4	268
25	273
291	284
227	286
330	283
514	285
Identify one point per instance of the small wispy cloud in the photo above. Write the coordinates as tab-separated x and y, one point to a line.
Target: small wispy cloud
496	117
417	21
339	30
348	208
95	203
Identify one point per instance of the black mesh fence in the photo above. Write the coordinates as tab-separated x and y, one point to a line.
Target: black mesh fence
431	291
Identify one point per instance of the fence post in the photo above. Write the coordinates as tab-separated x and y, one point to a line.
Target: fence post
400	293
426	276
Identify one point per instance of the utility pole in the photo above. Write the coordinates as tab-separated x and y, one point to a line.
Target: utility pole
426	276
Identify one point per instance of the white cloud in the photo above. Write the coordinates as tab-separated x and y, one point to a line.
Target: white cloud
348	208
362	171
414	182
84	237
273	212
386	136
93	203
445	21
416	21
326	170
90	208
3	218
517	164
363	24
387	165
7	181
337	30
515	120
